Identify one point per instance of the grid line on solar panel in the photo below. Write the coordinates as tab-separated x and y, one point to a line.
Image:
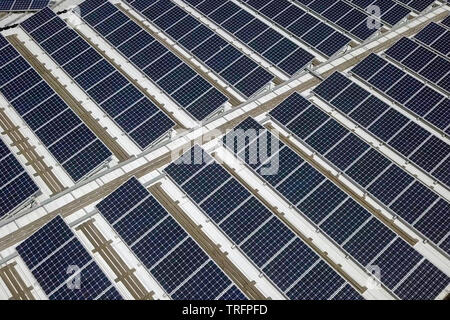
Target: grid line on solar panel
391	125
180	79
50	118
165	248
403	176
53	250
113	93
285	14
246	28
343	220
261	238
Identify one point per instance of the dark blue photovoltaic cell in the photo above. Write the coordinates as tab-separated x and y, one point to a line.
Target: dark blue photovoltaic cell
345	221
50	251
347	293
412	200
23	5
368	167
413	289
50	118
233	294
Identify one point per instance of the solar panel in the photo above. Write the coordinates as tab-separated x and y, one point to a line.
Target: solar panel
418	5
67	138
391	12
57	259
104	84
320	36
188	88
265	240
16	185
175	260
23	5
359	161
446	22
436	37
283	53
352	20
423	61
223	58
389	125
339	216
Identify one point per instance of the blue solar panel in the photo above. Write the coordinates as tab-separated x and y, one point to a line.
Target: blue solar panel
51	119
51	251
210	48
392	127
23	5
260	235
167	251
168	71
99	79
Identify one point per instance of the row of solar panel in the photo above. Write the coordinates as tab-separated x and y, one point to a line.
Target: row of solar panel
446	22
56	258
23	5
236	69
390	11
409	199
173	258
71	142
411	93
306	27
436	37
282	256
132	111
16	186
275	48
350	225
421	60
411	140
189	89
